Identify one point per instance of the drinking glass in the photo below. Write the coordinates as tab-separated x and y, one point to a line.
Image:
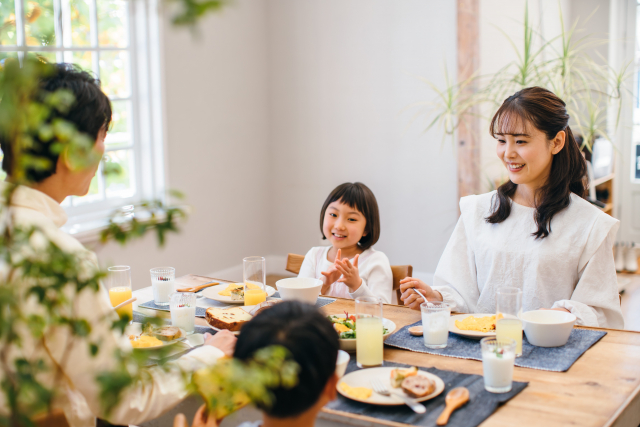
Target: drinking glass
509	308
254	269
498	357
369	331
435	323
162	284
183	310
119	279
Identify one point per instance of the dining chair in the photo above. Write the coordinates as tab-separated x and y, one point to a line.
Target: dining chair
294	262
399	272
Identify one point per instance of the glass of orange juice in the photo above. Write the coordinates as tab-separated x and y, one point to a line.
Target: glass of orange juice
119	279
254	269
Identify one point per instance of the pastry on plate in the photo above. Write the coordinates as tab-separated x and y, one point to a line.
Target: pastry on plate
231	319
398	375
418	386
167	333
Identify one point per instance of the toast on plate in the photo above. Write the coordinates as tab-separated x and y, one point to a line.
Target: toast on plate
231	319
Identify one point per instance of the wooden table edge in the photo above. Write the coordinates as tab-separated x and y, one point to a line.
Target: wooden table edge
363	418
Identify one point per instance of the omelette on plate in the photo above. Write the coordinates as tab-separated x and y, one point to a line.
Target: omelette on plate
480	324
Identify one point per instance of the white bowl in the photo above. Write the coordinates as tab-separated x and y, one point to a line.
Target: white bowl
341	364
303	289
547	328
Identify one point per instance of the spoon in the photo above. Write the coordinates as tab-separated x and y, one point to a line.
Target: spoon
421	296
455	399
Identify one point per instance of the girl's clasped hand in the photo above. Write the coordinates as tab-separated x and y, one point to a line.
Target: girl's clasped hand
343	271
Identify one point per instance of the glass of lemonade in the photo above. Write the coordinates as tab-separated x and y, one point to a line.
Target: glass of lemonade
498	357
183	310
435	323
119	279
508	310
162	284
254	271
369	332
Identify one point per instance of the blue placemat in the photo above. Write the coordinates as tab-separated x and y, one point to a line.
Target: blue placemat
557	359
201	311
480	406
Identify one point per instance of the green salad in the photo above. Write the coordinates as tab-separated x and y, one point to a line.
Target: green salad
346	326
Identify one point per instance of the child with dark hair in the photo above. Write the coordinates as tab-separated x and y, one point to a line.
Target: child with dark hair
313	344
350	267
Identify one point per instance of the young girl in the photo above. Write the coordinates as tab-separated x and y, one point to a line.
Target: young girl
536	232
350	267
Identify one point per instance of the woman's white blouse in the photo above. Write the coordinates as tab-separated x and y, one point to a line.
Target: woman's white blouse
572	268
373	267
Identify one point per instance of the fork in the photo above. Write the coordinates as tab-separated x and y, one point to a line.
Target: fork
380	388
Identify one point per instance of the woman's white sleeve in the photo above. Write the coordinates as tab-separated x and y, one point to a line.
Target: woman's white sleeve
455	276
595	300
308	267
379	280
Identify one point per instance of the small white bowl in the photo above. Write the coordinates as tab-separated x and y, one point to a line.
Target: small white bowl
303	289
547	328
341	364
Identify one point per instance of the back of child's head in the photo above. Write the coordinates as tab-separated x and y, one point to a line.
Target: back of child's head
358	196
313	343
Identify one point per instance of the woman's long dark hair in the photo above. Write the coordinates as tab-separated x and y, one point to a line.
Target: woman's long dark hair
546	112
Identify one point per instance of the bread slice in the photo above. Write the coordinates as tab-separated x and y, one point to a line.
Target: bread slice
418	386
231	319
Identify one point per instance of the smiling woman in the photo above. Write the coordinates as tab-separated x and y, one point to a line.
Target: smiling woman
536	232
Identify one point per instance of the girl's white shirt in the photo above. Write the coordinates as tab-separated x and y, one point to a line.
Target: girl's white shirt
572	268
373	267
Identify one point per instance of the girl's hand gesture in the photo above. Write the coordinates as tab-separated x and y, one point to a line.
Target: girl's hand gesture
411	299
350	274
332	275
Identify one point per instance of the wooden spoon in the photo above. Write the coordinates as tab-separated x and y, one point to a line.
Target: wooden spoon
197	288
455	399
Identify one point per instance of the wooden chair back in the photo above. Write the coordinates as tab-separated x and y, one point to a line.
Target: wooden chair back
294	262
400	272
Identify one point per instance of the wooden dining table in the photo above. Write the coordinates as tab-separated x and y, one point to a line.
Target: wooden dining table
602	388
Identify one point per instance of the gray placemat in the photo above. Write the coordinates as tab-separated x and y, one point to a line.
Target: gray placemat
201	311
558	359
480	406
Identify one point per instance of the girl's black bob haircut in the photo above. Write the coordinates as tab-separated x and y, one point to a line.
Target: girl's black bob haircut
358	196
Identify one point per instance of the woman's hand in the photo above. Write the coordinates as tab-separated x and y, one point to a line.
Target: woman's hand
411	299
332	275
223	340
350	273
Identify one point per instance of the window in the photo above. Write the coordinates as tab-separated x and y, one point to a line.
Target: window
109	38
635	145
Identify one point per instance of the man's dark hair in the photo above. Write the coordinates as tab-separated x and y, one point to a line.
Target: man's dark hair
358	196
90	113
313	343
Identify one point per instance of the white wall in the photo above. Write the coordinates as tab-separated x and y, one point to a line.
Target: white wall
278	102
340	75
215	95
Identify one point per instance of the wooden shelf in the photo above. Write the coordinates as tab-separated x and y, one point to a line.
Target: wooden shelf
608	208
604	179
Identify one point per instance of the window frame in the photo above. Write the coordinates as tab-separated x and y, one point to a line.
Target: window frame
145	97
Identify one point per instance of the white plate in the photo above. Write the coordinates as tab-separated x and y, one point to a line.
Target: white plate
183	335
212	293
363	377
469	334
350	344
